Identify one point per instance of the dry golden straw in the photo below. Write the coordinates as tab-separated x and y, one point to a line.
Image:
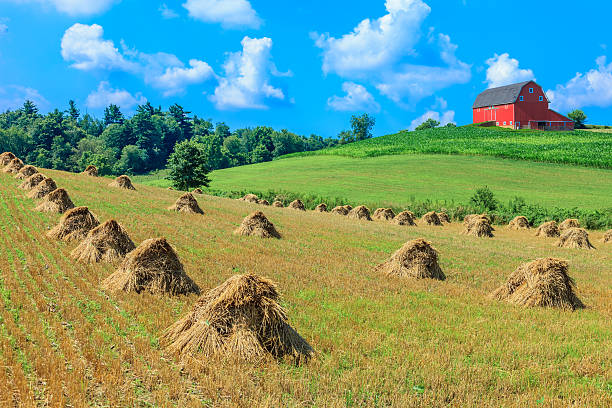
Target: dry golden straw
544	282
197	191
6	158
519	223
360	213
342	210
478	226
153	267
186	204
416	259
405	218
91	171
108	242
297	205
32	181
576	238
123	182
257	225
431	218
75	224
25	172
57	201
250	198
569	223
240	319
43	188
607	237
321	208
14	166
444	217
278	204
384	214
548	230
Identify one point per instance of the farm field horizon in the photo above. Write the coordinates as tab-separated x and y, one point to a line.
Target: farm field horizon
397	180
380	341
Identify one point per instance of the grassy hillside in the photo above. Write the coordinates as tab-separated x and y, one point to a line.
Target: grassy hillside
380	341
401	179
579	147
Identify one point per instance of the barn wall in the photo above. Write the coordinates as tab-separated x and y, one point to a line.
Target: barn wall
499	114
531	108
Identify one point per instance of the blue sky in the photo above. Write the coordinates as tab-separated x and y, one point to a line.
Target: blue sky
303	65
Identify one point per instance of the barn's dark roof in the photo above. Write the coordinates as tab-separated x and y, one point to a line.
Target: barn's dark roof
499	96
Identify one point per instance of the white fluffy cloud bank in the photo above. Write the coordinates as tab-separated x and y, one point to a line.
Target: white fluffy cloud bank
357	98
393	55
504	70
593	88
444	118
229	13
106	95
86	49
72	7
246	83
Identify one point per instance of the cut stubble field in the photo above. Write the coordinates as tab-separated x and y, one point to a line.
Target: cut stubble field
379	341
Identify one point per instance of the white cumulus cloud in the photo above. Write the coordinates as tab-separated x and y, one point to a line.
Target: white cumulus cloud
167	12
85	47
106	95
13	97
246	84
72	7
444	118
593	88
357	98
229	13
390	52
174	79
504	70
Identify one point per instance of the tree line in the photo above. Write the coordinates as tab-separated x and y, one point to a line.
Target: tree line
68	140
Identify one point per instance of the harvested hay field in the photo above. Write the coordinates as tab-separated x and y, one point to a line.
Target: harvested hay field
607	237
32	181
91	170
264	202
444	218
431	218
241	320
25	172
569	223
471	217
278	204
108	242
360	213
57	201
395	342
186	204
153	267
43	188
74	225
519	223
321	208
416	259
384	214
297	205
479	226
250	198
123	182
14	166
548	230
405	218
342	210
542	283
257	225
576	238
6	158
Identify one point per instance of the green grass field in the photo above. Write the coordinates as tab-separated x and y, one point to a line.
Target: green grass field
380	341
583	148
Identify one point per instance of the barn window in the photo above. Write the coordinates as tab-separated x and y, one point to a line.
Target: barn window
504	123
496	123
530	90
541	98
511	123
522	98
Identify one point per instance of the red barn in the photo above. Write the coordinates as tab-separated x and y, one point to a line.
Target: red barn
519	106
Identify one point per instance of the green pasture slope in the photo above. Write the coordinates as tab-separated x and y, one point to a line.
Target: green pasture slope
566	169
